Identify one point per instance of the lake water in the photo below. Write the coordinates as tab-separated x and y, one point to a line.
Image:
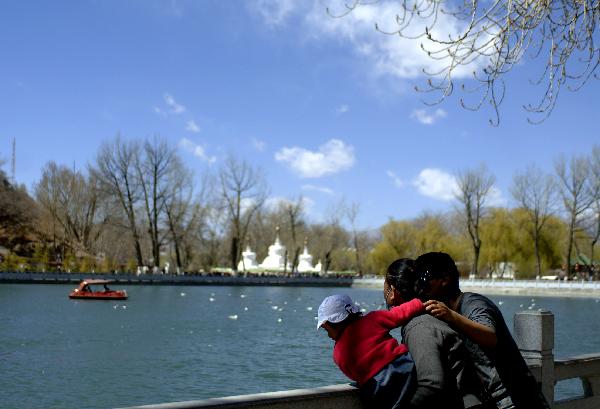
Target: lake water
169	344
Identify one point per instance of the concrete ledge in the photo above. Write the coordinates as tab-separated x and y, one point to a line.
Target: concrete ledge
342	396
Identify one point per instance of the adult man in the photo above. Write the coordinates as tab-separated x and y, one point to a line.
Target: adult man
506	379
444	373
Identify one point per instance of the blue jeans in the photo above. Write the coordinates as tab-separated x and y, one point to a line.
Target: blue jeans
393	386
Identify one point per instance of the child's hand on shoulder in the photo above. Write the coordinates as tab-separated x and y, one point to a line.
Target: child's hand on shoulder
440	310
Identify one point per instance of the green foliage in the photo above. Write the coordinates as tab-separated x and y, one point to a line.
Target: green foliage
12	262
412	238
108	264
131	266
87	264
70	262
342	259
40	259
504	234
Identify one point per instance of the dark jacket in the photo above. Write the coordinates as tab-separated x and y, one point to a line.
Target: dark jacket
444	372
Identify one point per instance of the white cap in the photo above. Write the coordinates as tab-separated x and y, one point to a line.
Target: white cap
336	308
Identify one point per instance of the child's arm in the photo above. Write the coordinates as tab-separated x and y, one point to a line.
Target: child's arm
401	314
478	333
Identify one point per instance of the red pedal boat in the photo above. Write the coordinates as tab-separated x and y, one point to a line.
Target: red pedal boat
85	292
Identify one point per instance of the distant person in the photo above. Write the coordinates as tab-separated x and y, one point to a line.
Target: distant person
106	289
507	381
366	352
445	372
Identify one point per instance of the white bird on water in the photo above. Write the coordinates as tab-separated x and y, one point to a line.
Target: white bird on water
233	317
211	299
279	320
308	308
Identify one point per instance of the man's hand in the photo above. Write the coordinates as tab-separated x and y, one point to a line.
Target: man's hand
479	333
440	310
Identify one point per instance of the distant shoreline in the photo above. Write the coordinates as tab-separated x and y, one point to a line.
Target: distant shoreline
490	287
165	279
580	289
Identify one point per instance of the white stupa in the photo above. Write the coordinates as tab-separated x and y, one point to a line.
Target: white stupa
305	261
275	260
248	261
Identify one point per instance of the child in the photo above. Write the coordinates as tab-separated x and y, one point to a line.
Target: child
507	381
366	352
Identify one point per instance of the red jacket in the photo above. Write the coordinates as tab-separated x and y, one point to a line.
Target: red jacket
366	345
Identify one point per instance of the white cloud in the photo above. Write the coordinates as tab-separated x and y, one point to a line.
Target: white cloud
397	181
258	144
332	157
440	185
342	109
428	118
274	12
172	106
175	107
321	189
495	198
196	150
437	184
192	126
384	54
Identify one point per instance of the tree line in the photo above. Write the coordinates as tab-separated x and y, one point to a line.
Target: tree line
137	204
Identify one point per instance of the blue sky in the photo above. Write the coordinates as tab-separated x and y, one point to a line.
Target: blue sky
325	106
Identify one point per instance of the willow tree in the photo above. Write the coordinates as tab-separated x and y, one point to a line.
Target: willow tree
489	39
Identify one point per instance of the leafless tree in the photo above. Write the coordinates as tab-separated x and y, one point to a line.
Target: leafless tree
179	209
293	211
574	179
73	200
595	192
491	38
116	170
157	169
187	215
535	192
474	186
352	212
330	237
243	192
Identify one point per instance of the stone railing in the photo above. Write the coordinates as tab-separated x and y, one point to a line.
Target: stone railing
533	331
559	288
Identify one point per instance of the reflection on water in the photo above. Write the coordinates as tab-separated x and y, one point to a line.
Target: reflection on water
182	343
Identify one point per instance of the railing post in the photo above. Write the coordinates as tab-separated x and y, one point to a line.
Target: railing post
534	334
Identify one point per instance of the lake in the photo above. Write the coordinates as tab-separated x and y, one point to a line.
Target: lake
170	343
